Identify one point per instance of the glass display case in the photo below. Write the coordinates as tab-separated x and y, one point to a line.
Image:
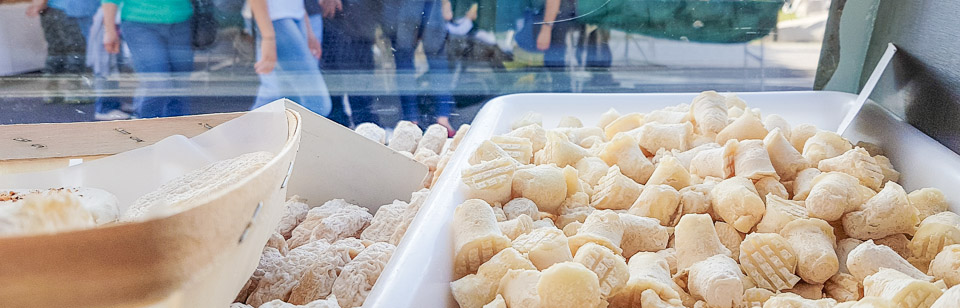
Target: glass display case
398	61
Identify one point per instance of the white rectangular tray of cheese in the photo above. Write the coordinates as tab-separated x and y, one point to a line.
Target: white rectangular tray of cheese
420	272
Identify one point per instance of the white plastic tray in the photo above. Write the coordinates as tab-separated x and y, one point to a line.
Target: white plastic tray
420	272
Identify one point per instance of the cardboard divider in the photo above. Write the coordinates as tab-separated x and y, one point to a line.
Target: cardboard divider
336	163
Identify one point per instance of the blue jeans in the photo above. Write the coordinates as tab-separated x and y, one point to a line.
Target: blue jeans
85	23
316	24
430	29
554	61
347	54
297	74
103	104
159	51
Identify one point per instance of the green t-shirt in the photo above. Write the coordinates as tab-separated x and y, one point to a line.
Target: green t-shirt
154	11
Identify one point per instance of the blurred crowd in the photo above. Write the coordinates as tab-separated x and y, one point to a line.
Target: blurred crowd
299	40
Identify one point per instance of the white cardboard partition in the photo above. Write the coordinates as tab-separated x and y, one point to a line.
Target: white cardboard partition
420	272
336	163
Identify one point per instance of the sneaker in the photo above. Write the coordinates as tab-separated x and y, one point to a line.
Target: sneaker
128	107
461	26
53	99
113	115
74	88
486	37
52	87
78	100
602	80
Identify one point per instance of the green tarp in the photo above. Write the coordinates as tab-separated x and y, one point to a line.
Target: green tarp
712	21
723	21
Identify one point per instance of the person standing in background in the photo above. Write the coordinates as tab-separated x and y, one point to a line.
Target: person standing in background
544	28
593	51
551	39
287	58
408	23
106	108
349	30
89	16
159	36
63	22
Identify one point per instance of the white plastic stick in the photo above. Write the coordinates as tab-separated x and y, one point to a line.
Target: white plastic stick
867	88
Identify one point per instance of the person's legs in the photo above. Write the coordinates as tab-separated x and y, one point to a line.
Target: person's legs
53	21
343	53
179	38
296	74
604	55
598	52
404	31
338	113
316	24
434	35
599	58
66	50
361	106
269	89
75	65
151	62
309	82
104	104
270	83
361	109
52	62
554	59
330	61
72	44
331	43
406	83
105	107
85	23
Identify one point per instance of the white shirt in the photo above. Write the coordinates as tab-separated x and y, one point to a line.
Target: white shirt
280	9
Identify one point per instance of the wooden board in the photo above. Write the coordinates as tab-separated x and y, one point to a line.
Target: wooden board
40	147
36	141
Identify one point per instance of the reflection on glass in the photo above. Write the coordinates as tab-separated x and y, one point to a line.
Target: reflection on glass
382	61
